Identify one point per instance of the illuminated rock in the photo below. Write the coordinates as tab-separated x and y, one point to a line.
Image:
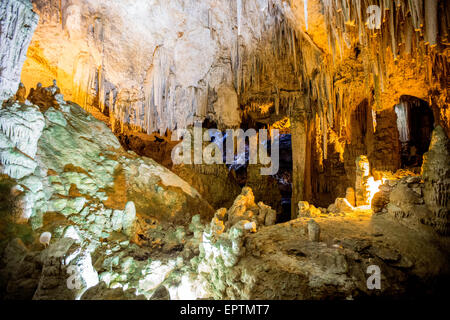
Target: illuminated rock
23	125
267	216
306	210
341	205
222	243
45	238
350	196
407	207
21	93
361	184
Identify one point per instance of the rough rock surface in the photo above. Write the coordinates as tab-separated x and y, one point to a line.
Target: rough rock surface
420	201
280	262
102	292
381	198
436	176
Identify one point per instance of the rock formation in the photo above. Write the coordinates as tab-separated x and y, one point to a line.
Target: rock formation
82	199
436	176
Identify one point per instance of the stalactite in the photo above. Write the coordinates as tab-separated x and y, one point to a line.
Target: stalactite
239	15
402	121
431	20
305	4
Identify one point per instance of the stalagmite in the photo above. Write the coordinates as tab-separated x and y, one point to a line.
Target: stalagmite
436	175
313	231
45	238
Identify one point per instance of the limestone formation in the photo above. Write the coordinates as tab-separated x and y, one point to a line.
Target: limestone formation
381	198
214	182
129	219
17	25
45	238
21	93
161	294
167	74
102	292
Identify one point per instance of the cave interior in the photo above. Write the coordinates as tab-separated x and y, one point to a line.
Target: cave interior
238	149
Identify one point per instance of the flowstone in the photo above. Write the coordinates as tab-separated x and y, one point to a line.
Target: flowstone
21	127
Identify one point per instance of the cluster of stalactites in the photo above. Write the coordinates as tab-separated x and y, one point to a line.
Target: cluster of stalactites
411	29
401	24
285	69
288	74
164	103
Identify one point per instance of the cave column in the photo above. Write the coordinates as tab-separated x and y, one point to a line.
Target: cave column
299	136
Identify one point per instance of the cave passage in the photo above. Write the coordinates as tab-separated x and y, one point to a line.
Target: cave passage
284	177
415	123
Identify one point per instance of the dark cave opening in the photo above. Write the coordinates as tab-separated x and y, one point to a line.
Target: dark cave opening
415	122
284	177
